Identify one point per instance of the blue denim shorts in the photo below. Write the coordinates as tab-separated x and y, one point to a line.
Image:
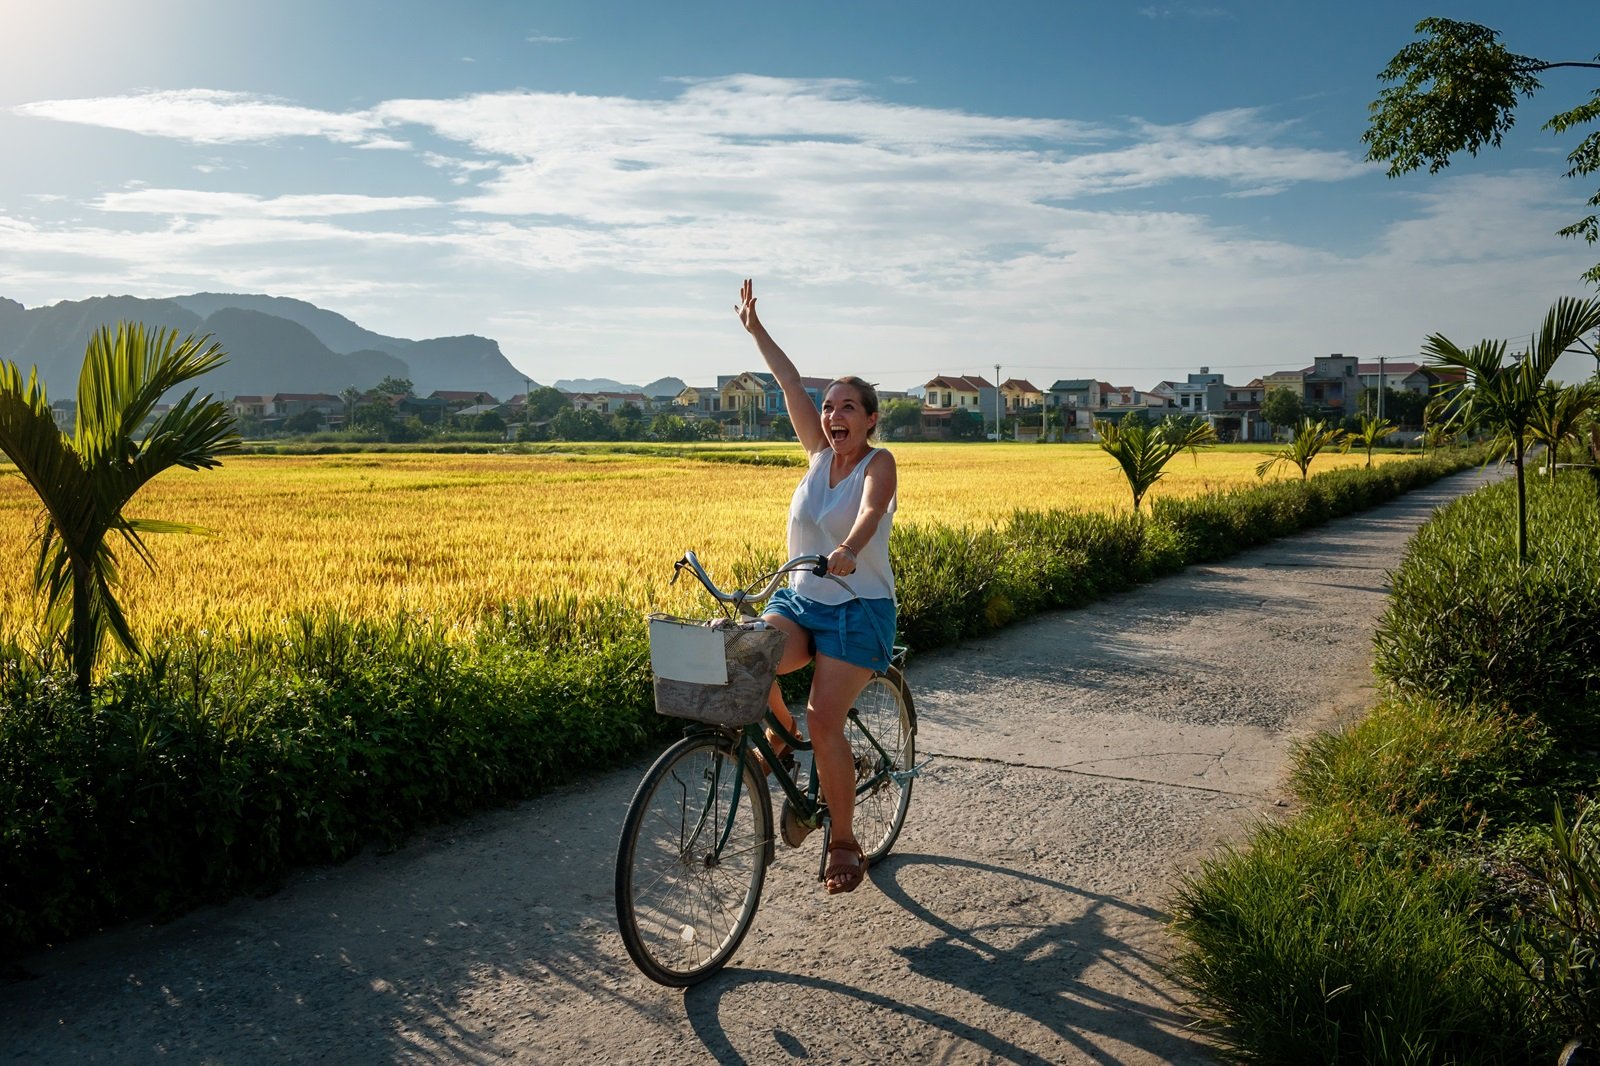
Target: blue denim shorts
859	632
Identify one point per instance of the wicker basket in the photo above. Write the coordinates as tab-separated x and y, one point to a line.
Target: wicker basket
717	674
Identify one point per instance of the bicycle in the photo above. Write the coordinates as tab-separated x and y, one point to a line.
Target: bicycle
698	836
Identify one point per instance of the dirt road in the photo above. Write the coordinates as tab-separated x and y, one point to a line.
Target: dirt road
1082	761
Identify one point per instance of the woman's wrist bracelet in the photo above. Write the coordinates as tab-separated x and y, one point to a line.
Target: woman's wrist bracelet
847	549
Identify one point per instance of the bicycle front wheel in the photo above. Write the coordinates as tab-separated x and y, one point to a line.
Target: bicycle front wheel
883	787
692	860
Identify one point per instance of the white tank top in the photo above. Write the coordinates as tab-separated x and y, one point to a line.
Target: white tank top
820	517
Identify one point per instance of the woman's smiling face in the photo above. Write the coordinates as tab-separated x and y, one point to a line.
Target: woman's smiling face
845	420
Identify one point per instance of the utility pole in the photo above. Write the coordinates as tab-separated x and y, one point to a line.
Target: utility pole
1382	388
997	402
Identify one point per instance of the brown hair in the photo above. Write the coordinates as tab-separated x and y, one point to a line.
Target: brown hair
867	391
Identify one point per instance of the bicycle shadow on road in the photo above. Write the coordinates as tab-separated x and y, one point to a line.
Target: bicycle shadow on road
1013	985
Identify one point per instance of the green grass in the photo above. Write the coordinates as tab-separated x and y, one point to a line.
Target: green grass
1330	939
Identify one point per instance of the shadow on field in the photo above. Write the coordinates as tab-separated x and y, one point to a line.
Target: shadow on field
1010	981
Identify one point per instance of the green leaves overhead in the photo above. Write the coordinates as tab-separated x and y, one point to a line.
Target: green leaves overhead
1456	90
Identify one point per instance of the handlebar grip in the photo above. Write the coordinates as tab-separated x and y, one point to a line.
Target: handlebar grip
820	567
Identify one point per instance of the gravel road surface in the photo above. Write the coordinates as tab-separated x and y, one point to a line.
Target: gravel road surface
1081	762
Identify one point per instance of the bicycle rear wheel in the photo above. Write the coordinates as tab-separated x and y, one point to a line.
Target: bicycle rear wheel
884	710
692	860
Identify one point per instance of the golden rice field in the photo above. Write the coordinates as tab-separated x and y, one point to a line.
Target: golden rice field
453	535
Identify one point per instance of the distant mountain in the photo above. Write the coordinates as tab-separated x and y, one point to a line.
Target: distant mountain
267	354
594	385
667	387
274	344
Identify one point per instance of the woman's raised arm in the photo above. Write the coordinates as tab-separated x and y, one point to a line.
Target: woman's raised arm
803	413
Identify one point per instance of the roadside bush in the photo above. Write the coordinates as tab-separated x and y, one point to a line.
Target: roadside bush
947	581
1218	525
1334	939
214	766
1467	623
1426	836
1434	766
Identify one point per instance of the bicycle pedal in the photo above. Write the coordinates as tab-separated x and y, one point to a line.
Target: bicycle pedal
792	827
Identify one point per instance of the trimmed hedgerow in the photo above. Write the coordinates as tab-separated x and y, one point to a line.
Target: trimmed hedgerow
216	763
1425	906
1467	623
213	768
1337	939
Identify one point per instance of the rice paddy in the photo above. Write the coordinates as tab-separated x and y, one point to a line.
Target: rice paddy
452	536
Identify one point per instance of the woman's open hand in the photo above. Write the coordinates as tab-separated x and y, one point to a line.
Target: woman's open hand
746	307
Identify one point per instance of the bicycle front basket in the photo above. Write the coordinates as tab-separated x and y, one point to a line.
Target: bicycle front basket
717	674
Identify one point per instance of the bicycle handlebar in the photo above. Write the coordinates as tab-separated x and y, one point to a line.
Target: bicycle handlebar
817	564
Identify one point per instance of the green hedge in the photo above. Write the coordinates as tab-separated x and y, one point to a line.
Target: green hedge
1467	623
214	765
1331	939
1375	926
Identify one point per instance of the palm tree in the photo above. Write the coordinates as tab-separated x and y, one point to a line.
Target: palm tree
1503	397
1436	420
1309	439
85	480
1143	451
1560	416
1371	432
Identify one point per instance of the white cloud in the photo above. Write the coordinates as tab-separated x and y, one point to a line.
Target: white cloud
236	205
919	235
205	116
543	39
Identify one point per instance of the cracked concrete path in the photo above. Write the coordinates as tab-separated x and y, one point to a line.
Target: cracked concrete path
1081	763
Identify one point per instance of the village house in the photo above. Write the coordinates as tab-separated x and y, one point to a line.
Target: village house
1331	384
1197	394
699	399
1241	419
455	400
946	394
1398	375
608	403
1018	395
1076	399
759	390
289	404
246	405
953	392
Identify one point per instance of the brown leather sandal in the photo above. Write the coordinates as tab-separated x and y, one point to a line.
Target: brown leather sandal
781	750
841	876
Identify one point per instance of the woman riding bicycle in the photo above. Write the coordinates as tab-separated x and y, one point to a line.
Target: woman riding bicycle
842	509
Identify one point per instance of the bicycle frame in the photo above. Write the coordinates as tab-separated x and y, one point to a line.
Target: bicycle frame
807	801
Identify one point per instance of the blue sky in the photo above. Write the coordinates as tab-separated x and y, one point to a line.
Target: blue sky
1069	189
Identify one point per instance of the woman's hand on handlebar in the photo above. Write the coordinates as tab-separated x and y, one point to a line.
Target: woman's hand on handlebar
841	562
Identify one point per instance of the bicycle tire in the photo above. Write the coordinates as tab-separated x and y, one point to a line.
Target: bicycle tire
884	708
684	904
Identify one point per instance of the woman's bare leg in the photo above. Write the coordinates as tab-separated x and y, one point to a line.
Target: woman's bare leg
796	653
835	684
